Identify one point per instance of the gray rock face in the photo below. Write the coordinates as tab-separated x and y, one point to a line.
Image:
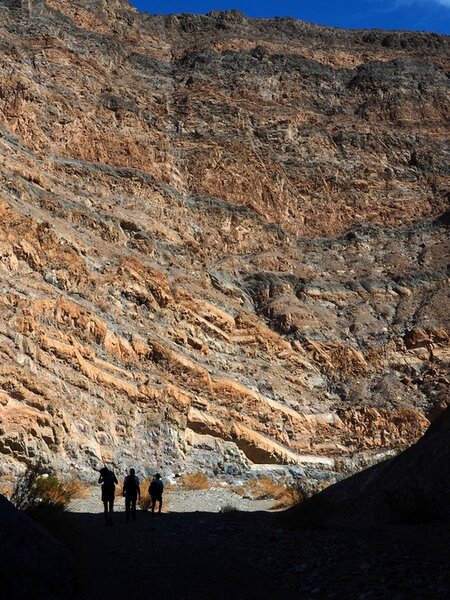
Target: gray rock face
33	565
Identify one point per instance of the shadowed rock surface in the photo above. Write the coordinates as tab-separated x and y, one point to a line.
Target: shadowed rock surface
224	241
412	488
33	564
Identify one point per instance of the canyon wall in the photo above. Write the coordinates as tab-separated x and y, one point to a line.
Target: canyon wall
223	241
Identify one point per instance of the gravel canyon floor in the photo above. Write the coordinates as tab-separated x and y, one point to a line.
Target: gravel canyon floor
196	553
381	534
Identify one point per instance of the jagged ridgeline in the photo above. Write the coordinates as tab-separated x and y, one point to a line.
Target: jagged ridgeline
224	241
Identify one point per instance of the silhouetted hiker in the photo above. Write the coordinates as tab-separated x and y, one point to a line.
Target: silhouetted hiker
132	492
156	491
108	480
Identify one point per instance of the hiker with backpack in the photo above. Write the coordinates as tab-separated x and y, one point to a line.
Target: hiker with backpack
156	490
108	480
131	492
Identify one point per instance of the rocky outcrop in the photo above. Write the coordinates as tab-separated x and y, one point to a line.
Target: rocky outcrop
33	565
223	240
410	488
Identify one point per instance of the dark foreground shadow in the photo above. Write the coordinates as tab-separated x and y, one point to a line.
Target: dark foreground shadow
258	555
189	556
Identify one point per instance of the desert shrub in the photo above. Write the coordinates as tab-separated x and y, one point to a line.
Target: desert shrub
228	509
170	487
35	488
25	494
284	494
195	481
266	488
61	492
145	501
292	496
45	497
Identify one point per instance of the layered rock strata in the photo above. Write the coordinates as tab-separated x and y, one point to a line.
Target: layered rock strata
224	241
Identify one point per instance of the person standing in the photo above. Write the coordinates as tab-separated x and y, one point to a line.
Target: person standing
156	491
132	492
108	480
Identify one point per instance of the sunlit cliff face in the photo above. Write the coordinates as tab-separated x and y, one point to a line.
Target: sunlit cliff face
223	241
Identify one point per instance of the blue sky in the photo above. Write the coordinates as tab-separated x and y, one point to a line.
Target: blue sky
421	15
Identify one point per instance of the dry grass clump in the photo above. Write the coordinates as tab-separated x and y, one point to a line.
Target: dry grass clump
195	481
269	489
145	501
262	489
292	496
170	487
36	489
60	492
